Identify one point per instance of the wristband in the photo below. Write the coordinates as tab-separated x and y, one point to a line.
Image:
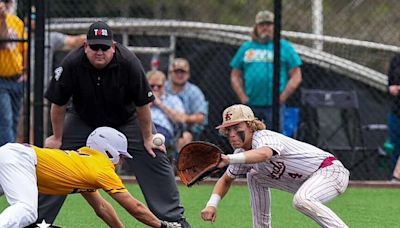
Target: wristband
238	158
214	200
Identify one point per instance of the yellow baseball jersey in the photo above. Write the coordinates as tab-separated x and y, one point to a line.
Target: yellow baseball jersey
61	172
12	53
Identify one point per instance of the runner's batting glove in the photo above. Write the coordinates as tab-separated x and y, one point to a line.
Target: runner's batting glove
165	224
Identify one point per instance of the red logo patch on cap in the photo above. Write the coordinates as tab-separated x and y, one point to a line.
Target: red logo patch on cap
100	32
228	116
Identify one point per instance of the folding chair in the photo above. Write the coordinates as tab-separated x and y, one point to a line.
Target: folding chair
333	133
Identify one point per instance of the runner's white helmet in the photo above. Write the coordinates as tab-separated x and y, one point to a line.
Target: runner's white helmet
110	142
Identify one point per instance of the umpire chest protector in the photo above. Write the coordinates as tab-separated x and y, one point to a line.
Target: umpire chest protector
101	97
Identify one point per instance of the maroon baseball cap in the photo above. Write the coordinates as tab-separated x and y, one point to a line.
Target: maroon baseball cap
100	33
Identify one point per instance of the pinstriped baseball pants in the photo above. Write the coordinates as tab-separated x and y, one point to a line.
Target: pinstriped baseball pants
322	186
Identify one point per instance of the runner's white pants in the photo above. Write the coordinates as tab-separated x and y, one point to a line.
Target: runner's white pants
18	182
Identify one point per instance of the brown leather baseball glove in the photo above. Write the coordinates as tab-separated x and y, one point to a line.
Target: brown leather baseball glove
196	161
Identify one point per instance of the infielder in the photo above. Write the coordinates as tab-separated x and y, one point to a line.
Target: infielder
272	160
26	170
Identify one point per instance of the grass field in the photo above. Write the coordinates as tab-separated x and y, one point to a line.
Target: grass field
358	207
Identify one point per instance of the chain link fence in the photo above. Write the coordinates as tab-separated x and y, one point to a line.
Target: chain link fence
346	46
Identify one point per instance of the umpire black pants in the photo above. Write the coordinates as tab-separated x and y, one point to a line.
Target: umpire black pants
154	175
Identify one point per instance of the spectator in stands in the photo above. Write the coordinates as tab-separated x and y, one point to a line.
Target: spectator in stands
252	69
12	71
167	110
193	99
394	115
54	41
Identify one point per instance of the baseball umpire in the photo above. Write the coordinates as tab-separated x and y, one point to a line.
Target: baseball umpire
108	87
272	160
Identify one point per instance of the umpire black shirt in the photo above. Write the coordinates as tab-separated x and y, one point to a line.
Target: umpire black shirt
106	97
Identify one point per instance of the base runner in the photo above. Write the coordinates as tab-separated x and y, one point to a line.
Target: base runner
272	160
26	170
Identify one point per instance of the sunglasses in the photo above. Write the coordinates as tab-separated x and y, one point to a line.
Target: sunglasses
96	47
156	86
179	71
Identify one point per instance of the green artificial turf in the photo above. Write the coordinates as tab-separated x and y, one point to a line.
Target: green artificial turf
358	207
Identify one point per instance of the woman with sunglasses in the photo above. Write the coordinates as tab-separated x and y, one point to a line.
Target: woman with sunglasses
167	110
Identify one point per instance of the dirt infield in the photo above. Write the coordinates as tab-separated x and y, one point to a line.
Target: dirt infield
355	184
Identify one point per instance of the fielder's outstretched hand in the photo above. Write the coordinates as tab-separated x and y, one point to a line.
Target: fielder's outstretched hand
209	214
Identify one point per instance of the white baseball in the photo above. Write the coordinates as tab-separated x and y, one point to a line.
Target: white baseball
158	139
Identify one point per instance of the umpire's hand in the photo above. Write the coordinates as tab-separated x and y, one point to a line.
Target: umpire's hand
148	144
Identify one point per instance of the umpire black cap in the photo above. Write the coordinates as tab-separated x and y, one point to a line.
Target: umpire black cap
100	33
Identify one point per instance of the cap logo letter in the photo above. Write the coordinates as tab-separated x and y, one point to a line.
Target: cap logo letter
228	116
